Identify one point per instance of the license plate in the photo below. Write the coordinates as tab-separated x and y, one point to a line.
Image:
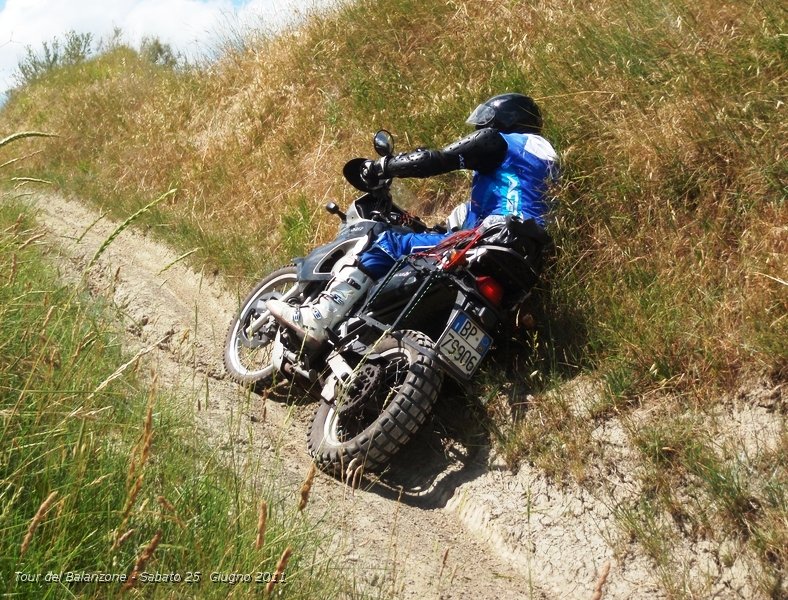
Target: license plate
464	344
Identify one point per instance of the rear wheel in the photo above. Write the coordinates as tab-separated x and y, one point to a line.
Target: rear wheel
247	354
379	410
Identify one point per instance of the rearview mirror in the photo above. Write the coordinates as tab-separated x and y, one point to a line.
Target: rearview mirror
384	143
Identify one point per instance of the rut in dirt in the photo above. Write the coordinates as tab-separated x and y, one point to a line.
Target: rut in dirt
446	520
184	315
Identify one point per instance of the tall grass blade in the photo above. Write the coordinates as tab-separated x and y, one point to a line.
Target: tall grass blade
123	226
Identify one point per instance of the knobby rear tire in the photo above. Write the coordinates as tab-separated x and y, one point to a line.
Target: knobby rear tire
397	423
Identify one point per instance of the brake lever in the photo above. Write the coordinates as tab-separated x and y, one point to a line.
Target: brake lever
333	209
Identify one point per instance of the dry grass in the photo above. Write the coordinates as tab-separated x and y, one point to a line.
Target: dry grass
113	458
142	560
34	523
279	571
597	595
261	521
306	488
669	281
671	229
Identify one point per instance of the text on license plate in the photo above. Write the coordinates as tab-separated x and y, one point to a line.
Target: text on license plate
464	344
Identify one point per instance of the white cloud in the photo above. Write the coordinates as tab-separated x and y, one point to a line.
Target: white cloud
189	26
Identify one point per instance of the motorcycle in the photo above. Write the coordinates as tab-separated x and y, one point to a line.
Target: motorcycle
434	314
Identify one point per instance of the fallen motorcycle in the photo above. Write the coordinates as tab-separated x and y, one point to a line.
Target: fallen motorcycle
435	313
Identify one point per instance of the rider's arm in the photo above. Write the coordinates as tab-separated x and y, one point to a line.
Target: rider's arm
483	150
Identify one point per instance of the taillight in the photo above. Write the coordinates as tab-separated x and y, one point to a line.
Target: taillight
490	289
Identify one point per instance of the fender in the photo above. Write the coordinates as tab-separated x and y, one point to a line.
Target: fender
318	264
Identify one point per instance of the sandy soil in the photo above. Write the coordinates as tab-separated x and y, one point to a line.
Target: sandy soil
447	522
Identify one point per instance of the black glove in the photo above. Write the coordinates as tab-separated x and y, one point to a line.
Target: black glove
373	172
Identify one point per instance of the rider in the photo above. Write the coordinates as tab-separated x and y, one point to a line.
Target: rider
512	166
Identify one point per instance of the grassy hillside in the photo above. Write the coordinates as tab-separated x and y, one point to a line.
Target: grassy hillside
101	472
94	467
669	285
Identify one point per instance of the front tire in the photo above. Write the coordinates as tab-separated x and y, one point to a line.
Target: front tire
248	358
386	420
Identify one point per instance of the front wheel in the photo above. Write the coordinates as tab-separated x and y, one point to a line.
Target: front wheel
247	353
384	405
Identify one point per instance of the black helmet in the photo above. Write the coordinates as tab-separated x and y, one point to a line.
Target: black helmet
508	113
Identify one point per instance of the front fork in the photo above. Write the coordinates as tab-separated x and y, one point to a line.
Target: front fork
341	371
255	326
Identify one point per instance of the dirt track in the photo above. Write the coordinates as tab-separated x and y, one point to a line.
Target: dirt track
501	535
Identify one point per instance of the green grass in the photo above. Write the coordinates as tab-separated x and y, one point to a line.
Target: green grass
67	432
670	207
668	283
739	496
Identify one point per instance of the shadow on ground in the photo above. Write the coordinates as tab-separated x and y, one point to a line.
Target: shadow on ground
450	450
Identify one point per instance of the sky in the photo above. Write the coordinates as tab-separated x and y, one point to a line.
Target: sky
189	26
